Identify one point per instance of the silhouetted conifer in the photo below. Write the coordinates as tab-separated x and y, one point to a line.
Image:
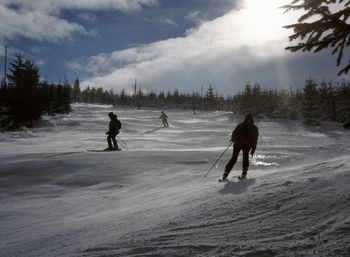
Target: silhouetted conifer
24	94
343	102
321	27
76	93
311	111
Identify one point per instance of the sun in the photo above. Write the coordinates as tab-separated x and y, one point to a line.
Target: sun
263	20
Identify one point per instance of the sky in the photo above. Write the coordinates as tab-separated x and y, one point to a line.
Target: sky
163	44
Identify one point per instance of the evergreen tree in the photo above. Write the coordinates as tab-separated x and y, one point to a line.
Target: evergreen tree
46	96
59	95
139	98
176	97
111	98
3	94
210	98
245	103
270	102
295	106
343	102
76	94
151	99
283	104
4	111
327	104
255	99
194	101
311	111
124	97
24	104
85	95
320	28
161	99
99	96
66	100
92	96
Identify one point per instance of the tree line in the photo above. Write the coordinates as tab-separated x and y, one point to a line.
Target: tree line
315	103
25	99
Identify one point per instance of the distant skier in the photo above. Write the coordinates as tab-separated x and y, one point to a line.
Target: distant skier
164	117
245	138
114	127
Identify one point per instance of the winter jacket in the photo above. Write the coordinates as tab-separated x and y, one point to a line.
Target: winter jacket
114	126
163	116
245	135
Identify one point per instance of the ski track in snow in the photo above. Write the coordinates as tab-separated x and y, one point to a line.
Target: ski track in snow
57	199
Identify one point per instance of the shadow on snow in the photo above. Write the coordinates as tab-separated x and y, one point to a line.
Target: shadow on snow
237	187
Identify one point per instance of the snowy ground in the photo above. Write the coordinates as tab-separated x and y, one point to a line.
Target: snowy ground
153	200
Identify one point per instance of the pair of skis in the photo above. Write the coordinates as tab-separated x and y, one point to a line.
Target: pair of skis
226	180
121	142
97	151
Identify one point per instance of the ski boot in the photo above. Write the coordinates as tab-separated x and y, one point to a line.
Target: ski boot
244	174
224	177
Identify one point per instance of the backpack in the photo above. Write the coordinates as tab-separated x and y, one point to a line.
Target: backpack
119	125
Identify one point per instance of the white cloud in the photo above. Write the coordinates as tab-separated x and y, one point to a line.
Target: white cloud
170	22
34	25
40	63
196	17
40	19
54	6
87	16
75	66
243	45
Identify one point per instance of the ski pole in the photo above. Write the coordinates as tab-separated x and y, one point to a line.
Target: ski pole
217	160
123	142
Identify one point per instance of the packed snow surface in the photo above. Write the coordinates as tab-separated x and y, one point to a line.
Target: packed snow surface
152	199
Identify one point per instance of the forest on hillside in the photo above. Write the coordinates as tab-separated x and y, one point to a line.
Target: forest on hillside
24	99
317	102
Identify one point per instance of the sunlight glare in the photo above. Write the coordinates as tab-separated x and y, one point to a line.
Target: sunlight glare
262	21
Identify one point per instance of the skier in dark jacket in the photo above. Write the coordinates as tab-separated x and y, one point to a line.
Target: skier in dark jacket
245	138
114	127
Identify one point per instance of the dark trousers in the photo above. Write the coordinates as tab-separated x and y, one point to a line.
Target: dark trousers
165	123
236	149
110	139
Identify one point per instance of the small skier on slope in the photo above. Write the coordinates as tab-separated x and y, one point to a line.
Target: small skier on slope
114	127
164	117
245	138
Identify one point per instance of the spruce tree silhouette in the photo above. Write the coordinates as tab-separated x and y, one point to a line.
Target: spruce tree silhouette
325	29
311	110
24	94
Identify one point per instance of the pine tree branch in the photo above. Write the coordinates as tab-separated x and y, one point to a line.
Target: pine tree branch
330	30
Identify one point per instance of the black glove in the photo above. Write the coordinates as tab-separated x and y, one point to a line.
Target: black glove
107	133
252	152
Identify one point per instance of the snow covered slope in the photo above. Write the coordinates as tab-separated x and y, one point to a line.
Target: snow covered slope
57	199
